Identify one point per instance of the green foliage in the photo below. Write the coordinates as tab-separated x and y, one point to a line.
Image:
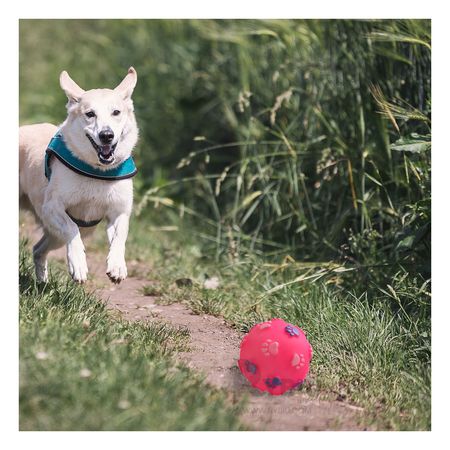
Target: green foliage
413	144
280	136
82	370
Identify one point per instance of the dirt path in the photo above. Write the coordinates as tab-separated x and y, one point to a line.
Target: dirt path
214	350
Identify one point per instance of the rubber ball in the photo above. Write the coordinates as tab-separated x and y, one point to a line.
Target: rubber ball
275	356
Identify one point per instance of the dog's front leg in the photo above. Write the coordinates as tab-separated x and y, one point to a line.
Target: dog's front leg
117	231
57	222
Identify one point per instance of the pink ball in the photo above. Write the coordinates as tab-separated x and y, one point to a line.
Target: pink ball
275	356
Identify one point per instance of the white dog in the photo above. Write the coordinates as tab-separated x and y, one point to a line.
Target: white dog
73	177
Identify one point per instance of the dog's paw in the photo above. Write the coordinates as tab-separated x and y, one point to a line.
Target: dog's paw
116	270
76	260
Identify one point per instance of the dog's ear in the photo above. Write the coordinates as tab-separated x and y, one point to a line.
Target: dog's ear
72	90
127	85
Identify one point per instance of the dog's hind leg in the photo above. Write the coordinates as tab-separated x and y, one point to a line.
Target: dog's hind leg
40	252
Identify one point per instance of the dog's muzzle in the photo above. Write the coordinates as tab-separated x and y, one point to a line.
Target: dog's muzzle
105	152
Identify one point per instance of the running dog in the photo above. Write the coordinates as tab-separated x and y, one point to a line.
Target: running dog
75	175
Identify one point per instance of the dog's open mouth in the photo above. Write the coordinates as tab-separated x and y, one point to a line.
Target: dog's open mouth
105	152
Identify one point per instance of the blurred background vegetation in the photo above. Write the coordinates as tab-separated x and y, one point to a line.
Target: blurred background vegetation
300	139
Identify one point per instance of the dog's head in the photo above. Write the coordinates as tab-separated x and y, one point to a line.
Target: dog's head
100	128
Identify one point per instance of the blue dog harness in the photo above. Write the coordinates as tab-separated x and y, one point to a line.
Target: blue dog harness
58	148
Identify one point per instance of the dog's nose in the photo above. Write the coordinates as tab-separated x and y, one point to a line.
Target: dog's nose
106	136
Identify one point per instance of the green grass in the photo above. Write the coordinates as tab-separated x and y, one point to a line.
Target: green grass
82	369
371	349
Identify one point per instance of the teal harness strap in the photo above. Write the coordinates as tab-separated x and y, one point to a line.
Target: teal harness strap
58	148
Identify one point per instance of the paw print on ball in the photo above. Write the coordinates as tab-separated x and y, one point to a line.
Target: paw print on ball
292	331
250	367
269	347
273	382
298	361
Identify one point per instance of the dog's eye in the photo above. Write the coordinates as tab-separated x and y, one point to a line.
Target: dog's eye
116	112
90	114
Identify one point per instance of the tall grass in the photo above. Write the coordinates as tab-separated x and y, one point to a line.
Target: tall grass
302	138
323	150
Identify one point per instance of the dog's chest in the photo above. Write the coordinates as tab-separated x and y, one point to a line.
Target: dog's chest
95	199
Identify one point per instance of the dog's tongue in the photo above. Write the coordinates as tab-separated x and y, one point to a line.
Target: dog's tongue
105	150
